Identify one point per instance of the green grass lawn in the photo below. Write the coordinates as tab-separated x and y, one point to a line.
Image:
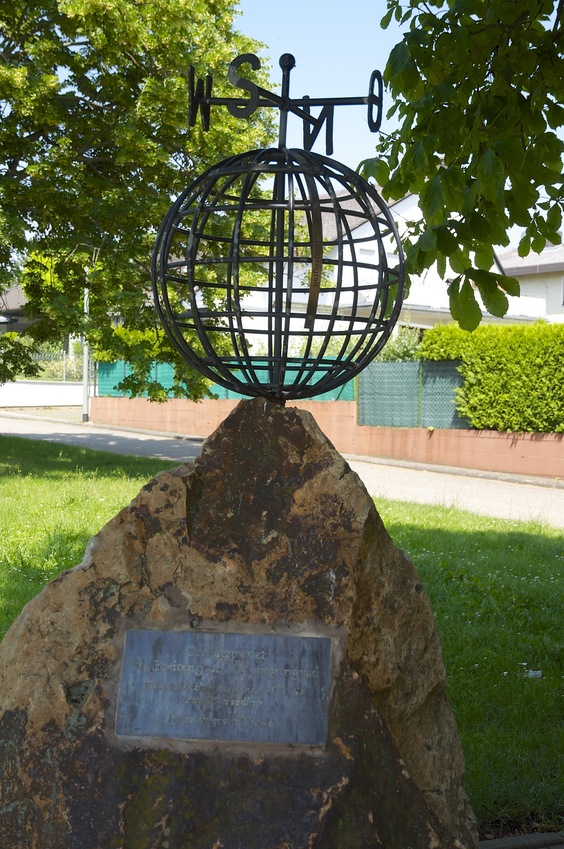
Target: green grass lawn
52	500
496	588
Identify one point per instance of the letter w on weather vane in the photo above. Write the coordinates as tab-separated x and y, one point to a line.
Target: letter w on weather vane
201	100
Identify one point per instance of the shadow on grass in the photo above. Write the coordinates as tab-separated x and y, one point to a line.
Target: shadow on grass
53	460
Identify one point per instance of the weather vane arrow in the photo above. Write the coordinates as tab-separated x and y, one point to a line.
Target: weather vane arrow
201	100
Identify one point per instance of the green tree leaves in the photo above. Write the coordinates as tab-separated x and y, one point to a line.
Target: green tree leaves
463	305
432	200
477	91
491	176
16	358
94	143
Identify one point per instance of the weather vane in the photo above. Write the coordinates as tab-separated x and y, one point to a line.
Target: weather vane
200	99
279	272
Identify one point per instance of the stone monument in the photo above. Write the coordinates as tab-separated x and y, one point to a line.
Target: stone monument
244	659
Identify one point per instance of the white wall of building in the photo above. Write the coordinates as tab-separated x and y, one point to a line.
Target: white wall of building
541	277
39	393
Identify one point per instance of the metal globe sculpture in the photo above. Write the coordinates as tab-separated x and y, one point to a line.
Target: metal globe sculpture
278	273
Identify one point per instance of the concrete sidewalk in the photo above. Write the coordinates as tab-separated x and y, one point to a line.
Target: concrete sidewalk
500	496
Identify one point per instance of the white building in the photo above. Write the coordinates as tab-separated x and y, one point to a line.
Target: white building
542	281
541	277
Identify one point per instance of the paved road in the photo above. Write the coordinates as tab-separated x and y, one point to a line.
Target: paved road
506	497
139	443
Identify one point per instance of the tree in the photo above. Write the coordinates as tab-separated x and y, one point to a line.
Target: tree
477	88
15	359
94	143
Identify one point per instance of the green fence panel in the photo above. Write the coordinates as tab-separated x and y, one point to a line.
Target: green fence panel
342	393
346	392
409	394
109	374
389	395
439	382
164	373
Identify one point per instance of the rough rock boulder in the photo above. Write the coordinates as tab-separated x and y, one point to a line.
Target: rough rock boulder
268	532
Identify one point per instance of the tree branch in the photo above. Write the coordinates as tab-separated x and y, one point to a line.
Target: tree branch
557	20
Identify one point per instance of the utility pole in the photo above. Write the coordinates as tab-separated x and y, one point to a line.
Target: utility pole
86	312
85	357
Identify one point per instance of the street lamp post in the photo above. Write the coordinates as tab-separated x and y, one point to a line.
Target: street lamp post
85	359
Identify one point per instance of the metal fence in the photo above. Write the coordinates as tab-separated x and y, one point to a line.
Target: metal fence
58	366
110	374
409	394
390	394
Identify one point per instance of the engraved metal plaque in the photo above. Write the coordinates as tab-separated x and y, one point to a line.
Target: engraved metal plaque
194	685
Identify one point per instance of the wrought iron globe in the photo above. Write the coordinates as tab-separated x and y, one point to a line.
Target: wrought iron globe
278	273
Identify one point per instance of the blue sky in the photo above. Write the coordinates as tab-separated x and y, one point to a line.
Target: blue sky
336	46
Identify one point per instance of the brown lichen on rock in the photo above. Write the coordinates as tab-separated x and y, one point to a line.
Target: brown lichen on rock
269	529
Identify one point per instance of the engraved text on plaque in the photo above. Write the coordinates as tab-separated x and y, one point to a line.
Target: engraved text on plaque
195	685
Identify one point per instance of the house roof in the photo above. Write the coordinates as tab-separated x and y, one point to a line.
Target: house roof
550	260
12	301
354	213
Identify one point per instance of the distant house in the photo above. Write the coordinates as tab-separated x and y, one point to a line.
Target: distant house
541	277
542	281
12	318
427	303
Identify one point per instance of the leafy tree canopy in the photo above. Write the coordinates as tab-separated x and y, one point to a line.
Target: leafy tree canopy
477	87
15	359
94	143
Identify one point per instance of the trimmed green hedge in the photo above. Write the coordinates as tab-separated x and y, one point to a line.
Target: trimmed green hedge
513	376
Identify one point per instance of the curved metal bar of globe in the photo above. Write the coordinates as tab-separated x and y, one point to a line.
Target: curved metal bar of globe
316	237
192	220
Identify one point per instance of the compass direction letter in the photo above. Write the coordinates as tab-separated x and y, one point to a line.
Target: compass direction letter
198	99
311	131
246	109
